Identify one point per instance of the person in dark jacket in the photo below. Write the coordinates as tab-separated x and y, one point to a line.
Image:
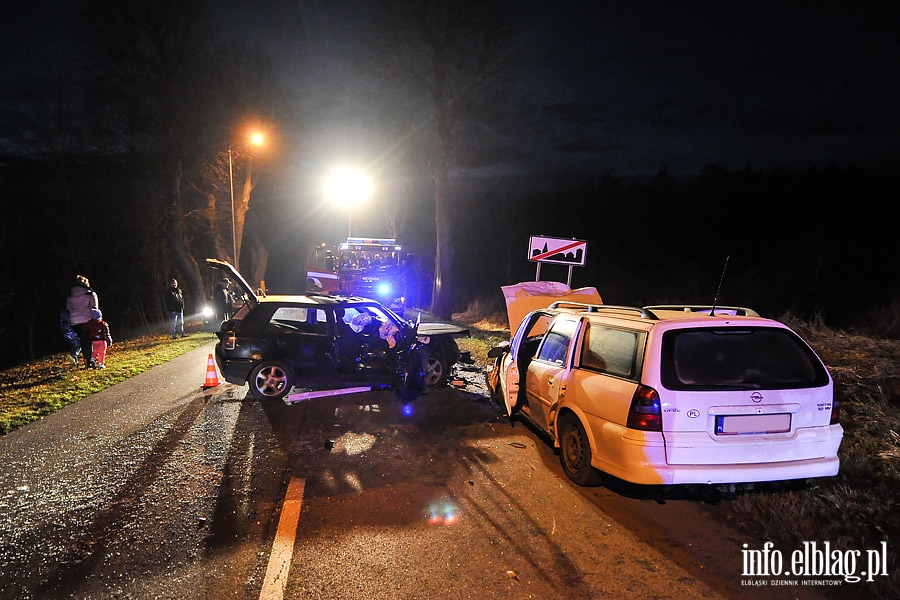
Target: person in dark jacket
65	326
174	301
79	304
223	300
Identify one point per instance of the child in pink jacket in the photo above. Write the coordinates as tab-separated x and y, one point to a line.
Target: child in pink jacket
98	329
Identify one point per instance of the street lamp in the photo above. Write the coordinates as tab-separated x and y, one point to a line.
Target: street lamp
257	139
233	236
348	187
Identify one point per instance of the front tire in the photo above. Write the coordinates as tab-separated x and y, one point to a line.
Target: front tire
437	370
270	380
575	452
412	384
439	359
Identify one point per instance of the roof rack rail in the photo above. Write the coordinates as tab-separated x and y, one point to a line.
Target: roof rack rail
645	313
741	311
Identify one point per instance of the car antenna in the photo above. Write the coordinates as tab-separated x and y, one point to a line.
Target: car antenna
712	311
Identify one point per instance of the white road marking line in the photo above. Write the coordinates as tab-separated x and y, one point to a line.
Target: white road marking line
276	578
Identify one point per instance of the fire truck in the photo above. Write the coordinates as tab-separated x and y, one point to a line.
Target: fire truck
375	268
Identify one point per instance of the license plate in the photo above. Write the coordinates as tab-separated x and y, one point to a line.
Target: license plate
753	424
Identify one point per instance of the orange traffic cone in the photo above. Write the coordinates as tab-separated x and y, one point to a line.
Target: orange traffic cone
212	376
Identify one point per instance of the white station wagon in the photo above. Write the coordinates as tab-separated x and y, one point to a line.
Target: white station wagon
671	394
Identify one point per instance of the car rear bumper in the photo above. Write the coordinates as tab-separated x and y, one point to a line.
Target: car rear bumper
751	473
640	457
233	371
646	465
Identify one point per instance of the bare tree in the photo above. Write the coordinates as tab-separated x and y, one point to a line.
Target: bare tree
176	98
448	52
253	101
232	165
153	72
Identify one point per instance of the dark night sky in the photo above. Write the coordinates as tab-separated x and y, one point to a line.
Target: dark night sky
623	87
620	87
630	87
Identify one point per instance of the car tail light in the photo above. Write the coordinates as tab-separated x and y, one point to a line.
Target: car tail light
835	411
644	413
230	340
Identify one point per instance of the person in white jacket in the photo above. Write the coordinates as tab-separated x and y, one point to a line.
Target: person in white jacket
79	303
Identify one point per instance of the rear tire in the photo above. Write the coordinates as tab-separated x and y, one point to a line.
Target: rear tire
575	452
271	380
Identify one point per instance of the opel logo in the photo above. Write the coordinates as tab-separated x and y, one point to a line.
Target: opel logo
693	413
756	397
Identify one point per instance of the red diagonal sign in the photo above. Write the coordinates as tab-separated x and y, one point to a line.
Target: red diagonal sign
556	251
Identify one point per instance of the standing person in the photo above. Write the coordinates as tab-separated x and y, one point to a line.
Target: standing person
79	304
101	340
222	299
65	326
174	301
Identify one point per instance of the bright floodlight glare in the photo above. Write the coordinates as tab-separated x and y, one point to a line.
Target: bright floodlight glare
256	138
348	186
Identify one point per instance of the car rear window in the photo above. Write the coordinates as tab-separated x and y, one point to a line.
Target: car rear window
299	318
739	358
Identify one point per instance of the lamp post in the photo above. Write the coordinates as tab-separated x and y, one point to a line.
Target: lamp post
233	234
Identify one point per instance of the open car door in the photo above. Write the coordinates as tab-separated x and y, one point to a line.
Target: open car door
521	350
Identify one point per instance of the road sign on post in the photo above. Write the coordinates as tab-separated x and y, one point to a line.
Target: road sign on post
560	251
557	250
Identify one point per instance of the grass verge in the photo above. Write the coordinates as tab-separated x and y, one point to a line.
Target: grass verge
45	385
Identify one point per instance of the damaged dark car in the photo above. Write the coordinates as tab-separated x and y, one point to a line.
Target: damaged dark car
324	345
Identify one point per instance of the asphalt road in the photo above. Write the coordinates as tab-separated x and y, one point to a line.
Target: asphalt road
156	488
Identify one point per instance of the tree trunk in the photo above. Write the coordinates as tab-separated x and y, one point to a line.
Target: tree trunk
258	255
242	205
443	260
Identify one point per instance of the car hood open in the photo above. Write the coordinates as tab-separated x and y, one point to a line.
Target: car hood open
229	271
523	298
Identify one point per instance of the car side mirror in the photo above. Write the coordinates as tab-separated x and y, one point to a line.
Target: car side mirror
498	351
